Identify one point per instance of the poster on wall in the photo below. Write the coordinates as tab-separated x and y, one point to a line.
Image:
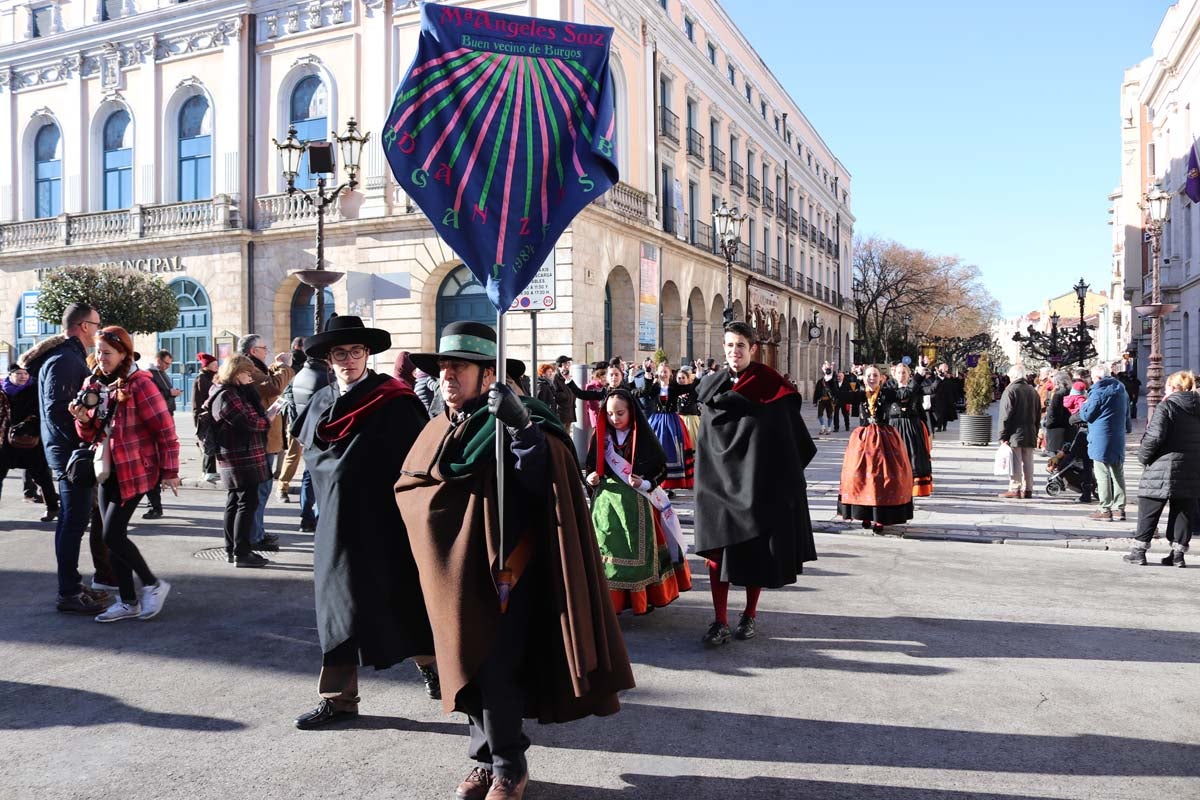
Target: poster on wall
540	294
29	315
648	298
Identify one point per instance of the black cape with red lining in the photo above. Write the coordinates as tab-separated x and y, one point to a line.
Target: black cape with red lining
751	495
365	579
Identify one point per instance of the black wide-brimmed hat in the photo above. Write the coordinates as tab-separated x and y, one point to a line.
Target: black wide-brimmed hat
466	341
347	330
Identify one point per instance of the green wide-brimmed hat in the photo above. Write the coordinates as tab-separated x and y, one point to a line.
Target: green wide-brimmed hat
466	341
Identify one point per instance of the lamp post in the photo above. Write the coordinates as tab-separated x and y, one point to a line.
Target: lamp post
727	225
1082	338
907	320
320	163
1157	205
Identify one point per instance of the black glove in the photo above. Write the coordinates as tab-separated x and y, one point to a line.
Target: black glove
504	405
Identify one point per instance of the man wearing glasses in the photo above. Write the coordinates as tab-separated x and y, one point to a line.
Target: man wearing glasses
270	383
59	365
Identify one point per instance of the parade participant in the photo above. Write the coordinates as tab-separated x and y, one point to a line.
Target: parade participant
825	398
752	520
838	406
661	396
564	402
59	366
555	651
638	531
848	388
689	407
356	432
907	416
144	449
615	379
1170	451
945	398
161	373
596	384
876	485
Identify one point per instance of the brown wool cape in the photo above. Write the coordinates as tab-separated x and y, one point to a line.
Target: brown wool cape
576	660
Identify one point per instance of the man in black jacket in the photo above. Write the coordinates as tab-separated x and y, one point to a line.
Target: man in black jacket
564	399
159	372
60	368
312	377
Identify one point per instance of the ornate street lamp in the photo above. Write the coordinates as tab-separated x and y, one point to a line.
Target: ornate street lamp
1083	339
727	225
1157	205
321	164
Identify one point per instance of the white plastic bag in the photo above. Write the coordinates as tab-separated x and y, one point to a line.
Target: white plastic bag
1003	461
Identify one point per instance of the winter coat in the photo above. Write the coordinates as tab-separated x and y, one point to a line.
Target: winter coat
242	437
59	365
1171	449
145	449
1020	413
564	401
270	384
163	382
1106	412
1056	421
201	389
545	393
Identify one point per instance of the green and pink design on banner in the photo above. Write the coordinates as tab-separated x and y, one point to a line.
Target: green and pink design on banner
502	131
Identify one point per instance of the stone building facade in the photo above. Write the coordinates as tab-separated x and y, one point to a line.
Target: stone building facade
139	135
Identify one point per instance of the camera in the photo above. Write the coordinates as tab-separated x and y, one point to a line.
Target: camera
88	398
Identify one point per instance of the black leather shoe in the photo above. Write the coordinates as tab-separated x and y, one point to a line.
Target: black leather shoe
325	713
269	544
50	515
251	560
745	628
433	684
152	514
717	635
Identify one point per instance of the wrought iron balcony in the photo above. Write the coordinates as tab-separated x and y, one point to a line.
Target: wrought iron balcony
752	189
768	200
668	124
695	144
737	176
716	160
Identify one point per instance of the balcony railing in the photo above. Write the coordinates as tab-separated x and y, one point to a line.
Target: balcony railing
737	176
803	227
702	236
760	262
820	291
695	144
812	233
743	257
626	201
284	211
668	125
808	285
781	208
794	219
768	200
774	273
126	224
716	160
752	189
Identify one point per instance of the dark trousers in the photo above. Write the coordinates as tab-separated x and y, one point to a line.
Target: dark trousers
308	502
1181	518
100	560
75	506
36	478
154	498
208	464
495	698
126	557
844	410
240	507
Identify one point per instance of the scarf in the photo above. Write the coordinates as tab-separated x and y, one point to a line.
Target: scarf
13	389
337	429
761	384
479	437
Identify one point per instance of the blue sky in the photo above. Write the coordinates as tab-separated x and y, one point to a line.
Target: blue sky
987	129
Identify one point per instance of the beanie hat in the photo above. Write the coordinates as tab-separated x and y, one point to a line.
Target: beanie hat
1078	388
205	359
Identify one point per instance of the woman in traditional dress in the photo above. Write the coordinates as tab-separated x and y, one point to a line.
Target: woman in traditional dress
662	397
877	478
689	406
907	416
641	543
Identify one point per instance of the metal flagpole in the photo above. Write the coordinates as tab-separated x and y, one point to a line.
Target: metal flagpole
503	578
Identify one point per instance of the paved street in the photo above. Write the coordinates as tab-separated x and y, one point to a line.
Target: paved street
896	669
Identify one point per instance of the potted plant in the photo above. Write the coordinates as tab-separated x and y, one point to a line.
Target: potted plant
975	426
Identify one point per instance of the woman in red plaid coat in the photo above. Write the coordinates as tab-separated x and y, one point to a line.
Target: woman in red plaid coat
241	424
133	416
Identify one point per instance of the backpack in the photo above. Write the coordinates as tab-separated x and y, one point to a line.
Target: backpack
212	433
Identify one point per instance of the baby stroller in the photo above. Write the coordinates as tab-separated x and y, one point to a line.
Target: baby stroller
1070	468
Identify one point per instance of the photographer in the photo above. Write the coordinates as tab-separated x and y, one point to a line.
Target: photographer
123	405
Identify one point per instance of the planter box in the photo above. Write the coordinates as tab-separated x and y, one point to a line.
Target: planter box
975	429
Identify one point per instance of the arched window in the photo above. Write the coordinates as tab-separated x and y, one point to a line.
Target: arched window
195	149
47	171
118	161
461	297
310	116
304	310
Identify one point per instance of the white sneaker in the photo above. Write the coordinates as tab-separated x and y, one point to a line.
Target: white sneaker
118	611
153	598
212	477
104	587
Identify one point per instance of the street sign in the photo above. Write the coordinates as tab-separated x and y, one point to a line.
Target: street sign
539	295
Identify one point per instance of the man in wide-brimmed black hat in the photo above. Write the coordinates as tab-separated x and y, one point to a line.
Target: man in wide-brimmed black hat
356	433
540	638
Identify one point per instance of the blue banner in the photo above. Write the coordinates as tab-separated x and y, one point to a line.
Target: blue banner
502	131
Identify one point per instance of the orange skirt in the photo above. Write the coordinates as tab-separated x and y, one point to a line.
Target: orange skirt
876	471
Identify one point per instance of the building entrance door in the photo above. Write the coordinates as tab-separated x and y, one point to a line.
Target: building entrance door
192	335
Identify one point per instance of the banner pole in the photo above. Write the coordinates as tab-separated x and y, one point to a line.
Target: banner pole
501	378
